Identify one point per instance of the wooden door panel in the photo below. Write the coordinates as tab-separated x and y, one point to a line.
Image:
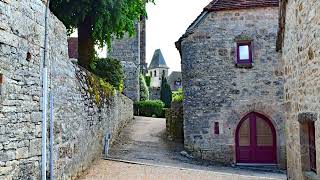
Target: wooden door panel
256	140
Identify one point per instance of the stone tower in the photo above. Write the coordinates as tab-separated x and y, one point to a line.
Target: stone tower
131	52
157	69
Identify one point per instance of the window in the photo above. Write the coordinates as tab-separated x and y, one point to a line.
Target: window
312	148
216	128
150	74
178	82
164	72
155	73
1	82
244	53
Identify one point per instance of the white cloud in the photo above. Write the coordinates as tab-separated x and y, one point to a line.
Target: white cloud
167	21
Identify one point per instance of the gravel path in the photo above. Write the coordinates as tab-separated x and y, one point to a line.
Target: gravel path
143	141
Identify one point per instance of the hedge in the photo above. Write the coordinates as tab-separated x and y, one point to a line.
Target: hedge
150	108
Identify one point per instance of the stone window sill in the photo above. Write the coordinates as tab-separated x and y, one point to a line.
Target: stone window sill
310	175
244	65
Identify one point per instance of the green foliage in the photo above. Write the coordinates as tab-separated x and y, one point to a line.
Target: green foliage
177	96
149	108
110	70
144	90
99	89
148	80
108	18
165	93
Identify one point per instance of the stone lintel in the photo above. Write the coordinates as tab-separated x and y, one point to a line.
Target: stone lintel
307	117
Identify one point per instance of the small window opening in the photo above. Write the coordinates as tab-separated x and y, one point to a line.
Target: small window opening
28	56
216	128
150	74
155	73
244	53
1	82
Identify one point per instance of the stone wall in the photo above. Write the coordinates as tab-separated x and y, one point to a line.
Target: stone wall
80	125
127	50
174	121
216	91
301	55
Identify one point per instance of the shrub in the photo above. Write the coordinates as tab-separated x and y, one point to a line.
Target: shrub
149	108
165	93
177	96
148	80
109	70
144	90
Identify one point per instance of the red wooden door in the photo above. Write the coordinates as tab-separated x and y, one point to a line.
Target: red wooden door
256	140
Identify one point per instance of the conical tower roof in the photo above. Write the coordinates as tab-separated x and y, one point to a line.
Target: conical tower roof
158	60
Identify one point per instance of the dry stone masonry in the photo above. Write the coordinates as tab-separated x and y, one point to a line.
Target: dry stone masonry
300	37
218	94
80	125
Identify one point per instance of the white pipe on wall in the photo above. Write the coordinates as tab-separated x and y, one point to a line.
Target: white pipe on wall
44	124
44	100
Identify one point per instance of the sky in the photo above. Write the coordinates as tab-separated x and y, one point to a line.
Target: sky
167	22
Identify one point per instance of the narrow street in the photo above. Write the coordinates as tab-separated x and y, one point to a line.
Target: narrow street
142	152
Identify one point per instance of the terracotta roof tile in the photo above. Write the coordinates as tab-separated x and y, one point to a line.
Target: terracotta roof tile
218	5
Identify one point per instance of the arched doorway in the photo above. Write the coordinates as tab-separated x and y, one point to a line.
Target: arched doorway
256	140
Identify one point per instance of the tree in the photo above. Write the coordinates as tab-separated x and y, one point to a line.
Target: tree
144	90
98	21
165	92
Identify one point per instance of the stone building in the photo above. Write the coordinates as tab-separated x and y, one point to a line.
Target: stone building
131	52
233	84
175	80
299	40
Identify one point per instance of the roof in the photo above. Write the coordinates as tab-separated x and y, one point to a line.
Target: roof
175	75
158	60
223	5
219	5
73	47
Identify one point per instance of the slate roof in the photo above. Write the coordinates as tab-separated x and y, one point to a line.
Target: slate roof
158	60
218	5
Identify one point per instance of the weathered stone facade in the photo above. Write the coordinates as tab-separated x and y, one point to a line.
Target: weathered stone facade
129	50
80	125
218	92
301	44
174	121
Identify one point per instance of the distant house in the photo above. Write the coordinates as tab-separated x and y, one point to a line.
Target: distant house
175	80
233	84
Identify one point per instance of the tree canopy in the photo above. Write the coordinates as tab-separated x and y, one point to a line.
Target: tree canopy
109	17
99	21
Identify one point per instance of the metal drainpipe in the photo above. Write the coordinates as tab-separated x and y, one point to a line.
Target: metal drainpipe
44	101
51	135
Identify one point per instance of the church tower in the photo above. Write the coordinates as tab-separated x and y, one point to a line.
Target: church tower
157	69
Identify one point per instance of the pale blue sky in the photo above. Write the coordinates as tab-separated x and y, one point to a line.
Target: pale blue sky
167	21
